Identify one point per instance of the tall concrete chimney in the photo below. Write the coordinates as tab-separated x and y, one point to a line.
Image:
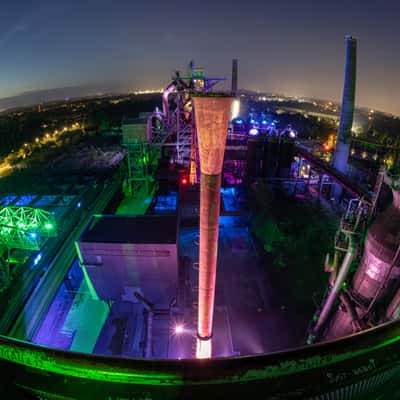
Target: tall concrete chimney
347	111
234	76
212	114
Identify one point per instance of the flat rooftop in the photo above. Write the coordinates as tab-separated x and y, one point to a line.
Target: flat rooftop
143	229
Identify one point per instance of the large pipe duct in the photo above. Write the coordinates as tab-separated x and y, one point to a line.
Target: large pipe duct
347	110
393	311
334	292
165	102
234	77
378	274
212	115
148	351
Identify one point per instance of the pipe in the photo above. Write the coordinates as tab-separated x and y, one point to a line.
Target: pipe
156	115
345	299
333	294
212	118
148	352
393	310
165	103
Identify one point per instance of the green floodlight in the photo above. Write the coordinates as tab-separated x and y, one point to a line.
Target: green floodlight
25	227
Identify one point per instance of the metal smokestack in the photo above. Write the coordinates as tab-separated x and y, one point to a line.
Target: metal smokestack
347	111
212	117
234	76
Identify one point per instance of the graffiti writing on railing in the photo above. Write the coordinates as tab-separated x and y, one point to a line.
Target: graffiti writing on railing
361	370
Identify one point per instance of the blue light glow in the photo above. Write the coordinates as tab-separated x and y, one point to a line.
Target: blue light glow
264	122
252	121
79	205
238	121
37	259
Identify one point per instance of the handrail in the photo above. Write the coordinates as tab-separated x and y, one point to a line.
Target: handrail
314	369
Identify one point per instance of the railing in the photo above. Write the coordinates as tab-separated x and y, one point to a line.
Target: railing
362	366
339	177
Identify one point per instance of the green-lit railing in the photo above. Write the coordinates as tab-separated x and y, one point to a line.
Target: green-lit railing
355	367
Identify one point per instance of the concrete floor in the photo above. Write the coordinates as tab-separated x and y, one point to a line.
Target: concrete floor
248	319
251	316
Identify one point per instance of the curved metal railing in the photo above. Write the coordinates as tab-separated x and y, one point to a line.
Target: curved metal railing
358	366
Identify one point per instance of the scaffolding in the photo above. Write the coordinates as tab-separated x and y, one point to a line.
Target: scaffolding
178	129
142	160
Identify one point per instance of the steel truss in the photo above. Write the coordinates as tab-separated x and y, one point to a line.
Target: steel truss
178	127
142	161
25	227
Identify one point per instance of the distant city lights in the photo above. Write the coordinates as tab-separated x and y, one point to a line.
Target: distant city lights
149	91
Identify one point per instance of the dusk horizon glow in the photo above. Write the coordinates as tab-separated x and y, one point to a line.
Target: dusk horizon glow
296	49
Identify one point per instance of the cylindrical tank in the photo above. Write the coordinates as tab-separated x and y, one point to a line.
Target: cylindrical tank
380	249
286	153
271	156
255	157
378	275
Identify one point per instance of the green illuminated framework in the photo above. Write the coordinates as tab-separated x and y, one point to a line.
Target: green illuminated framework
142	160
25	227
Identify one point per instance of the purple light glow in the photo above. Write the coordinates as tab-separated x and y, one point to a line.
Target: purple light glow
253	132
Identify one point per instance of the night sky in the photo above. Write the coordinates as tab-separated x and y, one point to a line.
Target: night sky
290	47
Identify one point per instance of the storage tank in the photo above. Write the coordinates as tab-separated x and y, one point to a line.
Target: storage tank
378	275
381	245
271	156
255	165
286	153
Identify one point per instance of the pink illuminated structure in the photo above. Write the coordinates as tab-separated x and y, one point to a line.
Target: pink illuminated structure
212	115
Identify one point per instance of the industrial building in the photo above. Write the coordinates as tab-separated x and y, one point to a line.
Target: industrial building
162	295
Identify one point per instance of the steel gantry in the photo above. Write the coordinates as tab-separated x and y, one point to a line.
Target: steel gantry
142	160
25	227
177	120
